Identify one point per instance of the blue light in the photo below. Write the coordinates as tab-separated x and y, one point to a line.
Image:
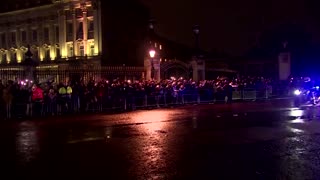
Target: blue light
297	92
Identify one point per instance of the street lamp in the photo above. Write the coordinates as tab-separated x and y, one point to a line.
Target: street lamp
190	72
151	24
196	31
125	72
29	65
152	53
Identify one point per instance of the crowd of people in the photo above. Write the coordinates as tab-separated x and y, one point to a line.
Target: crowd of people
26	98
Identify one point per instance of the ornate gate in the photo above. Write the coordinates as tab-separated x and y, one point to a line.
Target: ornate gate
174	68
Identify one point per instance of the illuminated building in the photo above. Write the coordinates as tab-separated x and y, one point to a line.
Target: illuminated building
70	34
86	38
62	29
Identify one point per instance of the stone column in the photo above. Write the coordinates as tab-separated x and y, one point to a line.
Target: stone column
40	39
194	70
74	22
52	46
284	63
62	33
85	30
202	68
14	44
147	67
198	67
97	28
156	65
29	65
7	46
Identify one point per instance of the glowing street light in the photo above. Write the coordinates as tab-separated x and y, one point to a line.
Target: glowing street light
196	31
152	54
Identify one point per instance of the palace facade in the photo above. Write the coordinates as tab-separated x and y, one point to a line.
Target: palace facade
63	29
71	34
83	39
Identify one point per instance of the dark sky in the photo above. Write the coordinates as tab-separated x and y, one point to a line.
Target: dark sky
231	26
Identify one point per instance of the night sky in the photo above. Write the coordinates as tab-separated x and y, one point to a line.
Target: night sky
234	26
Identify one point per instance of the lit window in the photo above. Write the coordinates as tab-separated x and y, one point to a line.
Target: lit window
70	51
91	26
160	47
155	45
81	50
91	30
69	31
80	31
92	50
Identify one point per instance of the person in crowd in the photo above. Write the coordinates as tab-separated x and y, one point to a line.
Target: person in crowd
69	98
228	91
8	97
95	96
62	98
37	99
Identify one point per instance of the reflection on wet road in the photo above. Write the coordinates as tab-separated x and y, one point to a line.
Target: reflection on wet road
238	141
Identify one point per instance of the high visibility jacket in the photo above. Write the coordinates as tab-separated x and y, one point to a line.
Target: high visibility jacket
69	90
62	91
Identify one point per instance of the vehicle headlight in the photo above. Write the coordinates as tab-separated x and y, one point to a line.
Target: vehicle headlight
297	92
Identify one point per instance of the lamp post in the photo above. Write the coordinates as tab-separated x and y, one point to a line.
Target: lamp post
190	72
29	65
152	53
196	31
125	72
151	24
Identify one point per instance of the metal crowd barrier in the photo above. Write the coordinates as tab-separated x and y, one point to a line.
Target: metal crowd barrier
123	103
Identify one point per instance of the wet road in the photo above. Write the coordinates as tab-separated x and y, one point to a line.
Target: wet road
267	140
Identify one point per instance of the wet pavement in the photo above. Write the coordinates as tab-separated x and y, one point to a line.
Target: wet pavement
253	140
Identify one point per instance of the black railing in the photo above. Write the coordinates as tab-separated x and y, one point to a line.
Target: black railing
77	104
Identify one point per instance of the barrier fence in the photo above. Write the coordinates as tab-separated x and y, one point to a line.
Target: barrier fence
58	74
75	104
